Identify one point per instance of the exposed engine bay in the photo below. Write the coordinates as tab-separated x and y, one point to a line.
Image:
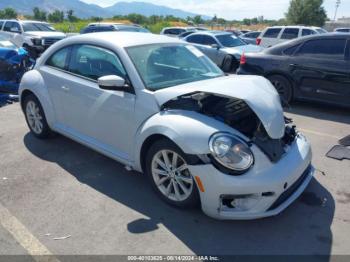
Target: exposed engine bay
238	115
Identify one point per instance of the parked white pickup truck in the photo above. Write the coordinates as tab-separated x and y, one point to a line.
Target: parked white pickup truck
37	36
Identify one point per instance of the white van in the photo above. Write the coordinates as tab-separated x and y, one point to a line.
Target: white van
278	34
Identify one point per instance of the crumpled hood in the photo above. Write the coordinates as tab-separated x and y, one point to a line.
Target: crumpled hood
239	50
256	91
46	34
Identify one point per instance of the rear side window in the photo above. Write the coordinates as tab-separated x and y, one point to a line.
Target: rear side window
307	32
272	32
58	59
290	50
324	48
343	30
290	33
208	40
93	62
197	39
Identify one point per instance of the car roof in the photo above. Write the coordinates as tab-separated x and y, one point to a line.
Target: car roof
24	21
212	33
121	39
293	26
104	24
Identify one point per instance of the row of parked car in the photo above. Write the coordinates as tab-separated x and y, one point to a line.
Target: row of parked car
250	52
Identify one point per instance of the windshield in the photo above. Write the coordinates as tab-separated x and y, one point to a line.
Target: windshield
165	65
37	27
5	42
321	31
230	40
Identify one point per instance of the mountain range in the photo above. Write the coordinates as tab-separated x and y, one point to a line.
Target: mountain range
84	10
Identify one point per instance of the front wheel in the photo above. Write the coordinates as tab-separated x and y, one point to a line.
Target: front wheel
35	117
169	175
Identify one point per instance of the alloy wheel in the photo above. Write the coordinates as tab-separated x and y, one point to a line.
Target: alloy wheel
171	175
35	119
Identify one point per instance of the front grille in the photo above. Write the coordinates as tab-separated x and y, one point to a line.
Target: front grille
290	191
50	41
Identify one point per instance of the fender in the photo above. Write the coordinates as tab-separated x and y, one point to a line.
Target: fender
33	81
190	130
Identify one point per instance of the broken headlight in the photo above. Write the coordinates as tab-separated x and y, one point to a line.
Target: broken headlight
231	152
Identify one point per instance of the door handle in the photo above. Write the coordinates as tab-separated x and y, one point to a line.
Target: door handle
66	89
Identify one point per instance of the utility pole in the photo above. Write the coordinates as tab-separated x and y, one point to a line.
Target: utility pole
337	4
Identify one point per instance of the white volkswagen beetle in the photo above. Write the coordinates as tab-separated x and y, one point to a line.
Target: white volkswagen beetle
161	107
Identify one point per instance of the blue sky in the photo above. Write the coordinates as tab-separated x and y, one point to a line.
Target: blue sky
236	9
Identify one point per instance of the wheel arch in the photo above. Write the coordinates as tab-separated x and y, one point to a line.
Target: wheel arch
33	83
283	74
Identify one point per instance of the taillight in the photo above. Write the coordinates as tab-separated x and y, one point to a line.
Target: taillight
258	41
243	60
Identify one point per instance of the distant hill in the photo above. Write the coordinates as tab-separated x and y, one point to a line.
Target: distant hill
84	10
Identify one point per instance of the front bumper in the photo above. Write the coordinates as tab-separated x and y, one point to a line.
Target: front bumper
268	188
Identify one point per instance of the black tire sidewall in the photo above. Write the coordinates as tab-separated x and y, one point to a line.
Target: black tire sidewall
287	86
227	64
46	131
165	144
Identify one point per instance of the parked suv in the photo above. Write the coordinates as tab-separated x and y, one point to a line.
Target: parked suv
278	34
37	36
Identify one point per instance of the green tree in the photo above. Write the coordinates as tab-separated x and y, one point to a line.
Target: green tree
306	12
71	17
39	14
8	13
56	17
198	20
246	21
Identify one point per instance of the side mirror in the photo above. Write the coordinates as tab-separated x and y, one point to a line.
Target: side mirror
112	82
216	46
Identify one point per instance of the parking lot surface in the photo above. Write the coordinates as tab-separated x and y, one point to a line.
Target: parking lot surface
59	197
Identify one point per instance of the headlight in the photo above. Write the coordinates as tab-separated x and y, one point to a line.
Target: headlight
231	152
36	41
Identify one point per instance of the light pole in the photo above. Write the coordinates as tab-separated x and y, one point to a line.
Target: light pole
337	4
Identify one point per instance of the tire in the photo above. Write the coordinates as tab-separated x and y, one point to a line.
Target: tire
177	188
227	64
35	117
283	87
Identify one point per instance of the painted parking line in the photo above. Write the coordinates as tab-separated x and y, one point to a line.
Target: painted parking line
318	133
22	235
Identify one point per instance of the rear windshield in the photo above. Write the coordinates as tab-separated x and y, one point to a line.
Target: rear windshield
230	40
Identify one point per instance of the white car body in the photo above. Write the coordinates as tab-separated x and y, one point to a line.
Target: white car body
79	109
280	35
21	37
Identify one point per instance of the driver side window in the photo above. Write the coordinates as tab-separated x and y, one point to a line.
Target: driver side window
93	62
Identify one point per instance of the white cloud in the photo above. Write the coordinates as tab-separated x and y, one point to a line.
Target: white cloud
235	9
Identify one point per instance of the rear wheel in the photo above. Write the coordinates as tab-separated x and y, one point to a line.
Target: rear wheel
227	64
169	175
283	87
35	117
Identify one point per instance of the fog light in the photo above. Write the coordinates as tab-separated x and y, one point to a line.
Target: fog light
239	202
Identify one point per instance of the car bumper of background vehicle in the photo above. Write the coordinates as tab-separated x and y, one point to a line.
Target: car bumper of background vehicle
265	190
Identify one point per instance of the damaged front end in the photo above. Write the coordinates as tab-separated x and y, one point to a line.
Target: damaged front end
237	114
13	64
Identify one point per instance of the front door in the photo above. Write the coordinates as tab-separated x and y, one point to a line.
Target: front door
100	117
321	70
